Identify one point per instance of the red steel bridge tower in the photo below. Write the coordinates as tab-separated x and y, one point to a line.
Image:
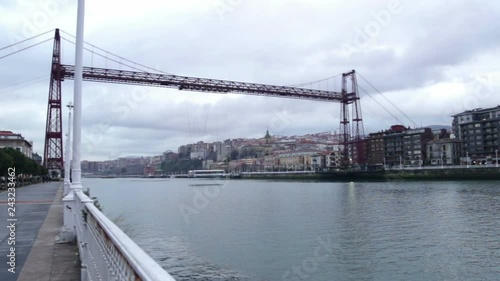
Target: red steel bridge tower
351	135
53	152
351	125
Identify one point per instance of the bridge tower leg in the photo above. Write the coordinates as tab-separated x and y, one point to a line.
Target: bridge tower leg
345	133
353	147
53	152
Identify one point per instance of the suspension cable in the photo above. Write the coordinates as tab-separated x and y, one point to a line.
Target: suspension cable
120	57
107	58
388	100
23	49
23	84
312	82
22	41
388	111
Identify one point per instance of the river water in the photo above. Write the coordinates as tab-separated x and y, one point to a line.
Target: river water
202	229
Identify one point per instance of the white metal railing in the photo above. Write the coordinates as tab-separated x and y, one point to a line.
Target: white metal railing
106	252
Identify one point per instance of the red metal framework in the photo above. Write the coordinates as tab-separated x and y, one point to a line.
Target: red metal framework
355	145
53	152
345	97
196	84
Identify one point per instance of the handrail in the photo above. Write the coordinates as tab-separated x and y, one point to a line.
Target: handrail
107	251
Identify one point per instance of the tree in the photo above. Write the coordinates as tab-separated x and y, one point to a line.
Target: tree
10	157
234	155
124	170
43	171
19	159
6	162
31	167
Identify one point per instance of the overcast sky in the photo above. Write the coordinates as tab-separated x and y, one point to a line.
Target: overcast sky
428	58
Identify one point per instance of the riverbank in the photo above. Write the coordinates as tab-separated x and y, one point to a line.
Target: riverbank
455	173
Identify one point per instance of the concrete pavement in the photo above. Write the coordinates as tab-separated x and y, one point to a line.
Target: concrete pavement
39	218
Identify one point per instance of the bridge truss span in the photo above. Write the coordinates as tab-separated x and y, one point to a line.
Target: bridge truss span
197	84
351	125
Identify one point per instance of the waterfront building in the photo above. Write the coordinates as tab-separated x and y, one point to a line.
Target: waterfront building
297	159
375	149
169	156
236	166
197	154
414	142
444	152
333	159
393	145
405	147
16	141
479	131
271	162
357	152
149	170
221	150
318	162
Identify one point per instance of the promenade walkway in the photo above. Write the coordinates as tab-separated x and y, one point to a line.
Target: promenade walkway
39	213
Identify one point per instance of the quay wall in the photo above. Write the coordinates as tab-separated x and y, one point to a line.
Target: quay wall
489	173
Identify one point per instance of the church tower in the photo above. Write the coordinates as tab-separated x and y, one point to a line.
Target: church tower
268	136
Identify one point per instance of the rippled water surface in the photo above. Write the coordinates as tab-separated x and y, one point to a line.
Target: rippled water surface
265	230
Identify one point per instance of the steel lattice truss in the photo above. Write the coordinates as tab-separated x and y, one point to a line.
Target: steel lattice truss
197	84
53	151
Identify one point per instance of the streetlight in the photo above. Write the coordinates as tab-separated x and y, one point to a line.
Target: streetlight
496	158
67	166
400	163
77	98
467	158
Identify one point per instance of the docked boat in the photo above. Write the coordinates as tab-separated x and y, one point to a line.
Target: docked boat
207	174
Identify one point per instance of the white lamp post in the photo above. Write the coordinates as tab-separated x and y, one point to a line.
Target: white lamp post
77	122
67	232
67	166
467	158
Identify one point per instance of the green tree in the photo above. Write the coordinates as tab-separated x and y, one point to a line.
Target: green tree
43	171
31	167
10	157
234	155
19	159
6	162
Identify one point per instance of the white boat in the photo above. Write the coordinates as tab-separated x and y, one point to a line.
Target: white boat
207	174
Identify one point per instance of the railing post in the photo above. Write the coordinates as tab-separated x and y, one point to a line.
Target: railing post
67	234
84	274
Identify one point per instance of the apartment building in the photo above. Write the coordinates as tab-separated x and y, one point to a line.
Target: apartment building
398	146
444	152
16	141
478	129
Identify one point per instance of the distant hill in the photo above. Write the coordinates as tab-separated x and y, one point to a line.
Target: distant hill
437	127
